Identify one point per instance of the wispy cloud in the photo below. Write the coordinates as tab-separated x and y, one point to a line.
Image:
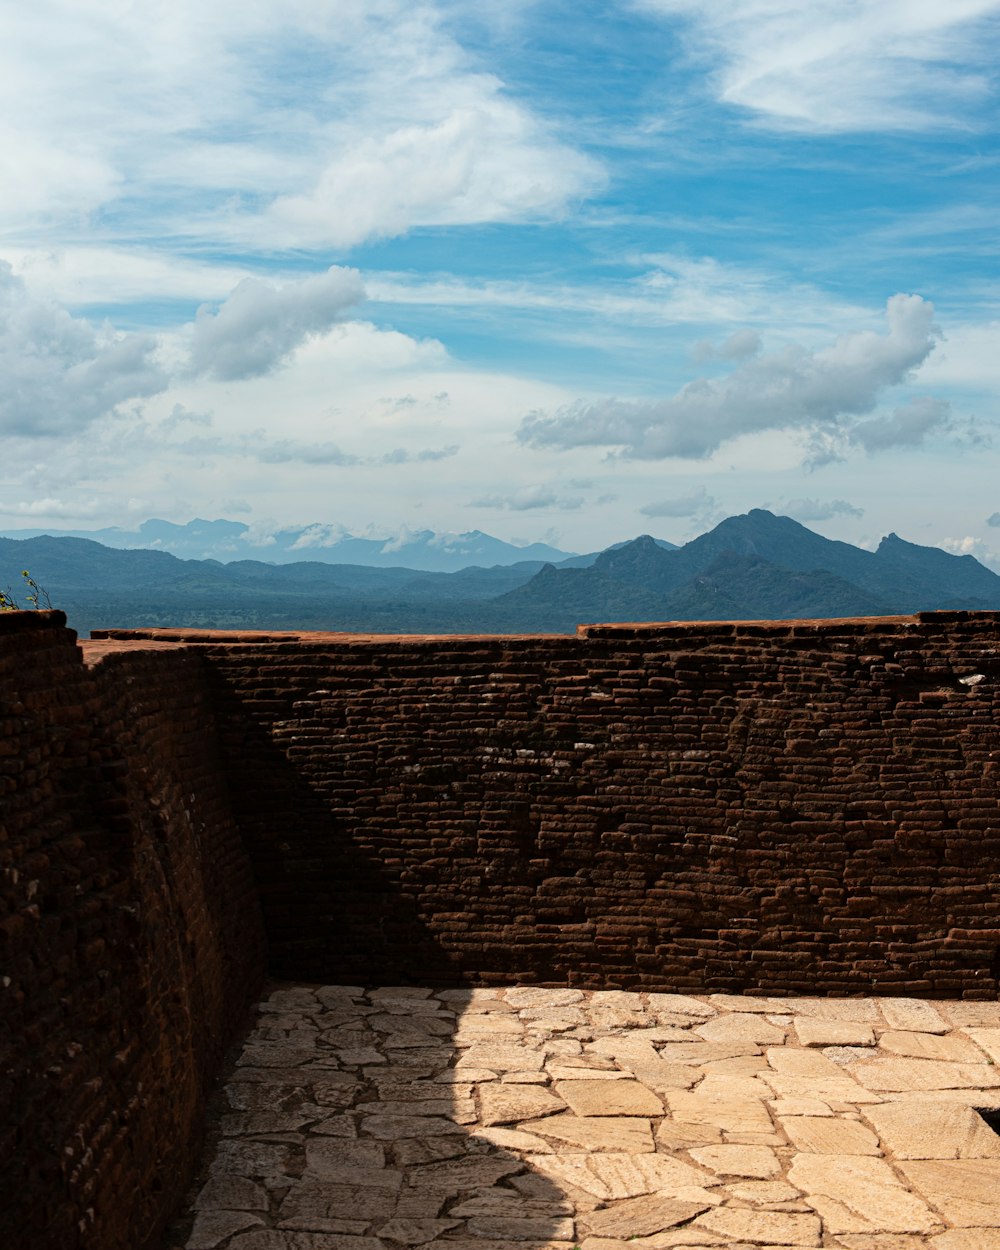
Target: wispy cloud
259	446
530	498
652	289
820	510
700	501
829	66
399	455
789	388
281	125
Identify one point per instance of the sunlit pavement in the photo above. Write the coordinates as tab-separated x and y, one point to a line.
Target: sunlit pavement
524	1118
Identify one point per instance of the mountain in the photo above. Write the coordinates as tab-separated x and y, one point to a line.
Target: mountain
756	566
752	567
585	561
233	540
99	586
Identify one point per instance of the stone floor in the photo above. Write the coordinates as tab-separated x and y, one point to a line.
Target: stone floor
516	1119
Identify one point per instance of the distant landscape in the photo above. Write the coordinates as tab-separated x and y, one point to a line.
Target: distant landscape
750	567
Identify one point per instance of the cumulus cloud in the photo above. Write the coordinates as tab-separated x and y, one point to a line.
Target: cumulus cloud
529	498
57	372
971	546
820	510
830	66
484	159
682	506
316	536
785	389
262	323
906	426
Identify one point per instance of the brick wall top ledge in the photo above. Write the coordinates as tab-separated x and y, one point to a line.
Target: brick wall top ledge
617	631
21	622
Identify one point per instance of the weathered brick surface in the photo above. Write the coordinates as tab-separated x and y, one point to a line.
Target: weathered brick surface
775	808
786	808
130	942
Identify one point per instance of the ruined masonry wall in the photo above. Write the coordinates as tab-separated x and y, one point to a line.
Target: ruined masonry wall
130	938
798	807
795	807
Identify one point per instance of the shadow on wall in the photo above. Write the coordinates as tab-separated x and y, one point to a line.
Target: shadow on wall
332	906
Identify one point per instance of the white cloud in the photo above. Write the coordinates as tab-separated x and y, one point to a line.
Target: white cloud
844	65
282	124
482	161
820	510
311	536
784	389
529	498
969	545
51	508
261	323
57	372
681	506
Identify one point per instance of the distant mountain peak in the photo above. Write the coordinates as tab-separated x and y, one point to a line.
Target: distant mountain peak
234	541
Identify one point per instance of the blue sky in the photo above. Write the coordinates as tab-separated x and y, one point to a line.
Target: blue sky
563	271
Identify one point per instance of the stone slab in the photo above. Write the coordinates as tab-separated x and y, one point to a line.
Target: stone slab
595	1132
855	1194
619	1098
922	1129
966	1191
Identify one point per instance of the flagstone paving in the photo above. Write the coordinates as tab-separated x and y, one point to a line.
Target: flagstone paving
548	1119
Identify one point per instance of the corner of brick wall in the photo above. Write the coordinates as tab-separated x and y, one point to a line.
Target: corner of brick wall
130	936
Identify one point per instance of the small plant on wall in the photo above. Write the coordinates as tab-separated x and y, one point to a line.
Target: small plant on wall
35	598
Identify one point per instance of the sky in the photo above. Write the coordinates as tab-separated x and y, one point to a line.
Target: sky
553	269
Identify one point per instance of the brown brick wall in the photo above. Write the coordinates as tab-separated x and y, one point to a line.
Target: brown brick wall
130	943
795	807
781	808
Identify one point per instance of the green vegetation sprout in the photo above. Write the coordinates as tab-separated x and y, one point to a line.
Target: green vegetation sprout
36	598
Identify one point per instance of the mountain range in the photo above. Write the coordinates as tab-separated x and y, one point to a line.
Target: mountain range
326	544
750	567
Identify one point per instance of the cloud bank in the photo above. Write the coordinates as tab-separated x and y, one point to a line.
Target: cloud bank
58	372
787	389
